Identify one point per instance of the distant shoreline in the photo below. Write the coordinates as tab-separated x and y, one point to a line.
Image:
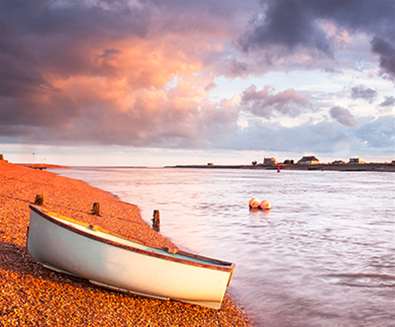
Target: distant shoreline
40	166
379	167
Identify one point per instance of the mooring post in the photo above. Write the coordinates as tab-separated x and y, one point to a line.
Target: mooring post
95	209
39	200
156	221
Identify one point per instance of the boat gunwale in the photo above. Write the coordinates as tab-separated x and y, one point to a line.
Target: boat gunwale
215	265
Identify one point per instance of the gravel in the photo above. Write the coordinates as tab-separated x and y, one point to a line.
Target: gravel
31	295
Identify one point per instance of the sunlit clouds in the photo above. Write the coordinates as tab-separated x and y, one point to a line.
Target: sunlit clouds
163	75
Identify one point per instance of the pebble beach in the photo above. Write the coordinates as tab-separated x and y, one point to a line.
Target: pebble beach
31	295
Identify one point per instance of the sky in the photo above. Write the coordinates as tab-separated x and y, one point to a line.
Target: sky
133	82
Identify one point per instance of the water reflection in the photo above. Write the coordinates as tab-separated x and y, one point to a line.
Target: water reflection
323	256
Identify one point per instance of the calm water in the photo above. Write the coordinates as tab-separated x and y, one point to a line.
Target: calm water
323	256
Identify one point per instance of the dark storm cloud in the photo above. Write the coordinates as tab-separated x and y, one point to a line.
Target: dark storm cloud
343	116
363	92
22	111
297	24
293	23
285	23
388	102
18	70
104	18
45	36
386	52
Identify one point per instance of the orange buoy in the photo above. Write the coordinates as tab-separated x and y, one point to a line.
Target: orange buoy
265	205
253	203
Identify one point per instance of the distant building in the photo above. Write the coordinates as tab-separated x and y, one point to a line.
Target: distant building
288	162
355	161
338	162
269	161
308	160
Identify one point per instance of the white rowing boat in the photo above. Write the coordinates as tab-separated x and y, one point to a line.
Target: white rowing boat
76	248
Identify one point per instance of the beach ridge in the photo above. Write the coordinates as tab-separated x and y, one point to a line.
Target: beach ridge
33	295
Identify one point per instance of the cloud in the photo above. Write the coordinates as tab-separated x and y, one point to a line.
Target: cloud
95	111
99	71
343	116
318	27
59	39
294	23
373	136
278	27
388	102
236	68
141	73
386	52
363	92
322	136
265	103
378	133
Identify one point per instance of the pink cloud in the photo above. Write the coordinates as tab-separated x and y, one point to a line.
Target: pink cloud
266	103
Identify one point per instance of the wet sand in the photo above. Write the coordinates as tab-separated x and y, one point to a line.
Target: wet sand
32	295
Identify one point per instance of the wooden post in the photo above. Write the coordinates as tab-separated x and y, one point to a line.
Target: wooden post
95	209
39	200
156	221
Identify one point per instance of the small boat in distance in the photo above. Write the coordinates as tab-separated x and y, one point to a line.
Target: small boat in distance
73	247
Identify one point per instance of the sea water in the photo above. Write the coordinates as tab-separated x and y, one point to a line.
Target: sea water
323	256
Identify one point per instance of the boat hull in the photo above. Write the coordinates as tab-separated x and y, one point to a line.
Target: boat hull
120	267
